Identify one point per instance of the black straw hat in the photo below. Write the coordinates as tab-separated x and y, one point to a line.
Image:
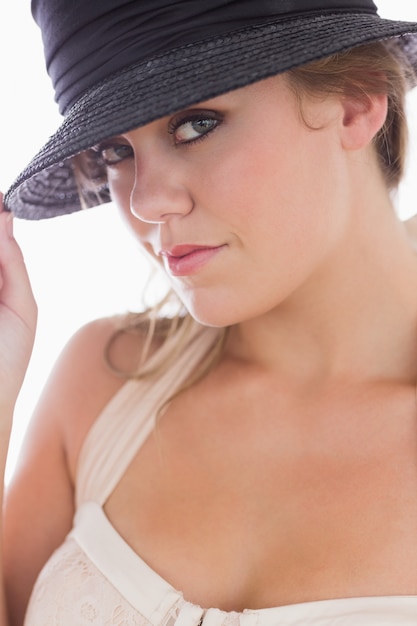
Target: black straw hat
120	64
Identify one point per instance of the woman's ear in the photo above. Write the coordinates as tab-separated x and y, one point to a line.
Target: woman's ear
363	117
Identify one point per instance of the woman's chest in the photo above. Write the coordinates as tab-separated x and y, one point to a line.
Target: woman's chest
261	516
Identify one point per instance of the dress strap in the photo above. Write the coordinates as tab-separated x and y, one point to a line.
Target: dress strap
126	421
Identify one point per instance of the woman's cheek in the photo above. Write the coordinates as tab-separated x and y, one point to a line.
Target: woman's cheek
120	188
121	182
120	191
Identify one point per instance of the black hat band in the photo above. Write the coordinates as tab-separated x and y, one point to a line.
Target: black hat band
92	40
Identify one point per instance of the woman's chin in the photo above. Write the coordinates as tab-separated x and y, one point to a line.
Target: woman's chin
219	316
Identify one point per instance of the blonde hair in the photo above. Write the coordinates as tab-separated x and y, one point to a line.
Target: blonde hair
377	68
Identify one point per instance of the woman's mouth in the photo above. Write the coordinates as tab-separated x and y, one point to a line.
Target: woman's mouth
185	260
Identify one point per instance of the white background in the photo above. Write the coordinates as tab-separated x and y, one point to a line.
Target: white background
86	265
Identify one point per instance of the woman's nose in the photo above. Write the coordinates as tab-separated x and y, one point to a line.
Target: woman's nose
159	193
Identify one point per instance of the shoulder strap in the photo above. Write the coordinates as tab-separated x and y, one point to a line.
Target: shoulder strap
126	421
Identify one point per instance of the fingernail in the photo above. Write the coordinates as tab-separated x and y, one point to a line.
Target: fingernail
9	225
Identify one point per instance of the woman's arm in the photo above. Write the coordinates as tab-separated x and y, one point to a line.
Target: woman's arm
18	316
17	331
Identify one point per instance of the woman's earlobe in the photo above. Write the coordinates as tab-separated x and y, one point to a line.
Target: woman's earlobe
362	119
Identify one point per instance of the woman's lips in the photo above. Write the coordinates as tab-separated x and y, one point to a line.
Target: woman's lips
185	260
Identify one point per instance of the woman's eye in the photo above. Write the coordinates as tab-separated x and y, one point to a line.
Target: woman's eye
191	128
112	154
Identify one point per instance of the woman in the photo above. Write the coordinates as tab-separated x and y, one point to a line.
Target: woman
254	449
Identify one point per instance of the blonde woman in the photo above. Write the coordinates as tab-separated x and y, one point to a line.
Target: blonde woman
247	455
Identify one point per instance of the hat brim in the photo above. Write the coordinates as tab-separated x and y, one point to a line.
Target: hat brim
188	75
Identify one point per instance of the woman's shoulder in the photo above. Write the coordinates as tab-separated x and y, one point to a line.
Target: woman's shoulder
83	362
107	349
86	376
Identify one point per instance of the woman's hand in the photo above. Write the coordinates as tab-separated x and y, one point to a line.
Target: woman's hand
18	314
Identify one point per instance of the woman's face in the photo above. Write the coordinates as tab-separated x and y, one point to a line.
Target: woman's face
237	197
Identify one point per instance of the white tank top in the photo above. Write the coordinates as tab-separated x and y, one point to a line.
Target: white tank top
95	579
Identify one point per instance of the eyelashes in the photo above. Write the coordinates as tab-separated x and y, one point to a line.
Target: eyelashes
189	127
112	152
186	129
